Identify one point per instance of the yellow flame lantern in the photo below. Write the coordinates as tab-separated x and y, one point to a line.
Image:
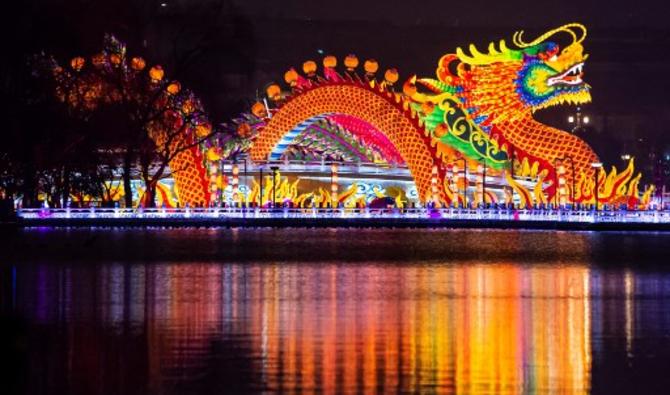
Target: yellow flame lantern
156	73
330	61
371	66
77	63
203	129
214	154
291	77
351	62
391	76
309	68
115	59
174	88
258	109
273	91
137	64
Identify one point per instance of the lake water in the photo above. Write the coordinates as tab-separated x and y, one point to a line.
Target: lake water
186	311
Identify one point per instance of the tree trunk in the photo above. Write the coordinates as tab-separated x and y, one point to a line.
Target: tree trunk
65	196
127	188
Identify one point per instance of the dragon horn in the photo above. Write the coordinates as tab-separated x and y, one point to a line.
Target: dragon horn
518	40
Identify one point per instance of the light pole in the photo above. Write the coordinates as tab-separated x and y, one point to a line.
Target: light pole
274	187
579	120
260	198
597	166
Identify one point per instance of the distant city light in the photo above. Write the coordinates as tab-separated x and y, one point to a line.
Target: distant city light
320	51
571	119
625	157
596	165
163	4
586	119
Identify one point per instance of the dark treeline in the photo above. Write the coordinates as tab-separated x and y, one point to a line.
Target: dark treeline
49	152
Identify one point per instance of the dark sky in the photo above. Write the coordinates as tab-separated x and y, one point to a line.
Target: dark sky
246	44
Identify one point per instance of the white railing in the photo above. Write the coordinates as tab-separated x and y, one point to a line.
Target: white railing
496	214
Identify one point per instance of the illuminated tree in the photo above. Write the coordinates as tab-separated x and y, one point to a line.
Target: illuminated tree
163	120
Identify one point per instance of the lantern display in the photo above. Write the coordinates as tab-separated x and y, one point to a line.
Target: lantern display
174	88
258	109
309	68
291	77
273	91
371	66
351	62
330	61
391	76
156	73
137	64
77	63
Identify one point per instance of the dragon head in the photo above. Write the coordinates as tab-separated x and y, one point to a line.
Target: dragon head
504	82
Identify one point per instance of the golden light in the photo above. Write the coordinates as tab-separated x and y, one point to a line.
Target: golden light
291	77
371	66
174	88
330	61
440	130
391	76
156	73
351	62
188	107
137	64
309	68
77	63
258	109
273	91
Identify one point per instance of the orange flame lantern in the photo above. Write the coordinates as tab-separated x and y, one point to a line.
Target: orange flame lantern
244	130
351	62
309	68
333	183
115	59
98	60
371	66
391	76
330	61
291	77
274	92
258	109
203	129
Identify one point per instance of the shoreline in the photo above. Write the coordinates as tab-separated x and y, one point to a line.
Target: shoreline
335	222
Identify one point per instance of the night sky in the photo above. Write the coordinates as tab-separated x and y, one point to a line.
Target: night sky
227	51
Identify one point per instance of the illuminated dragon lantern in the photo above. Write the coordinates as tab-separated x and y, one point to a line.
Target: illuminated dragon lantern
479	111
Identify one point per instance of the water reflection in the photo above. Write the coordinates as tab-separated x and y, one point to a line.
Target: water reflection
468	328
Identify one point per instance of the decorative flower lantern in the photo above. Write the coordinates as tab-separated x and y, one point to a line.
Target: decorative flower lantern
309	68
137	64
174	88
258	109
391	76
291	77
330	61
273	91
77	63
351	62
371	66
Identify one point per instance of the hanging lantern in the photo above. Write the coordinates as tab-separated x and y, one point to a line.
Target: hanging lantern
330	61
258	109
291	77
115	59
174	88
77	63
371	66
273	91
391	76
137	64
309	68
156	73
351	62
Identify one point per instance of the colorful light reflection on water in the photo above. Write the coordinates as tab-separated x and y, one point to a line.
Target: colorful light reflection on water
466	328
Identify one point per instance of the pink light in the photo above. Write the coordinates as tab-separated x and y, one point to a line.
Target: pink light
370	136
